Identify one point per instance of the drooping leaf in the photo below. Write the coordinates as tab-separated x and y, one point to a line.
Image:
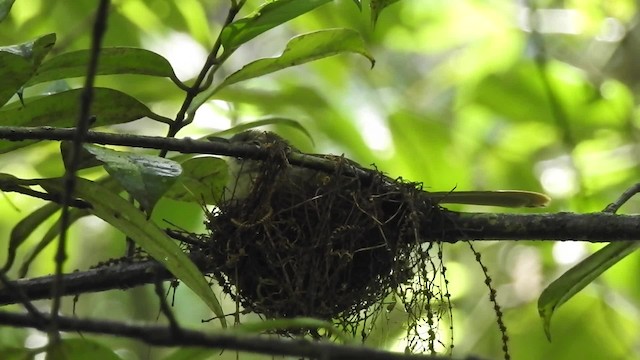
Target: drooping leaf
79	349
116	60
579	276
147	178
19	62
268	16
302	49
377	6
24	228
202	181
47	238
132	222
60	110
5	8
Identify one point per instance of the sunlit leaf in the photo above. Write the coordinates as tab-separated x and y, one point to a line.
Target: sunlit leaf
147	178
5	8
268	16
116	60
79	349
202	181
579	276
61	109
132	222
302	49
19	62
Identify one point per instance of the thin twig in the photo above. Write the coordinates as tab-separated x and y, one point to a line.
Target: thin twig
82	127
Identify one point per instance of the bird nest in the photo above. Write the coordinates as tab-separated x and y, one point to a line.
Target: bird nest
317	244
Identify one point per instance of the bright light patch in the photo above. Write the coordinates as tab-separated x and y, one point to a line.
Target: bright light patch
568	252
185	55
374	131
208	116
559	180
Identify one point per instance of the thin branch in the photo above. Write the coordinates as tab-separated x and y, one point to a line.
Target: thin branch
185	145
596	227
163	336
82	126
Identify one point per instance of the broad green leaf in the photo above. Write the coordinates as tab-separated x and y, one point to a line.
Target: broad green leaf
5	8
377	6
61	109
579	276
202	181
19	62
358	4
49	236
116	60
302	49
146	177
24	228
268	16
79	349
132	222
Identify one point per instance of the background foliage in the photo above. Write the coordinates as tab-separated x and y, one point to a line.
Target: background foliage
463	95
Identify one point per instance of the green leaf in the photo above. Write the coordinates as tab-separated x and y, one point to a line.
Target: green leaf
116	60
579	276
5	8
268	16
202	181
61	109
49	236
80	349
147	178
358	4
19	62
24	228
377	6
125	217
302	49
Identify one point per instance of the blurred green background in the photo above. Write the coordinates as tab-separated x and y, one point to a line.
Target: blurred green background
465	94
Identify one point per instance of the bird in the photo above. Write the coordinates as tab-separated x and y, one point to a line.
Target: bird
243	173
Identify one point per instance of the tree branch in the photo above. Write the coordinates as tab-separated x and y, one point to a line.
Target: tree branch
163	336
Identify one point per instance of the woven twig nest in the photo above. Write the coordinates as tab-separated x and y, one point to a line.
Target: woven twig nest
322	245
